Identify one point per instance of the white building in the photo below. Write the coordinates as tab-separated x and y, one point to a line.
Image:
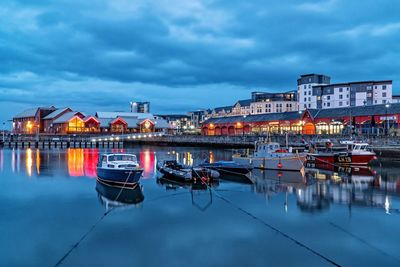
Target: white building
262	103
315	91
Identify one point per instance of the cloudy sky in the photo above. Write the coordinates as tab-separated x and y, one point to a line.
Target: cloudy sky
183	55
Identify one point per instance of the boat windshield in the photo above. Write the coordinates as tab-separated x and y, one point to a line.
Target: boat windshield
122	158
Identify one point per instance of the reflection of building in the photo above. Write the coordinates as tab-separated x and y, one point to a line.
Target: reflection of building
369	119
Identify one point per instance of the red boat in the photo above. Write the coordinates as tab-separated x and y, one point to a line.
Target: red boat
355	154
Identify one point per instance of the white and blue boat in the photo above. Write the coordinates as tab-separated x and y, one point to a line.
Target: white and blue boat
117	169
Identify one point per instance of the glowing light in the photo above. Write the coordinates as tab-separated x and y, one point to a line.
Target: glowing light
100	140
93	140
38	161
387	205
134	137
112	139
150	135
117	138
129	137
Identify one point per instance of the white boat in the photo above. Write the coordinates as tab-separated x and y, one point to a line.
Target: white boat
270	156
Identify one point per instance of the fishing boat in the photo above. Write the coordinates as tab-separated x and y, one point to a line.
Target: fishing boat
355	153
228	167
270	156
172	169
118	169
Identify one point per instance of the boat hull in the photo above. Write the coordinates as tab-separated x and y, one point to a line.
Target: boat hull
341	159
293	163
119	176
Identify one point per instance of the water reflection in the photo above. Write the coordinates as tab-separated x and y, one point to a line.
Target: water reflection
147	162
200	190
111	197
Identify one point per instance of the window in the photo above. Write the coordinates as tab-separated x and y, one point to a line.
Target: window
309	80
309	92
340	103
305	106
384	101
340	90
328	104
309	86
309	99
305	99
376	87
328	97
324	104
347	96
340	96
369	87
305	86
384	94
383	87
376	101
309	105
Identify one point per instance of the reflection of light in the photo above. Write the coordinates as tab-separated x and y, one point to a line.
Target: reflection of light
147	159
38	161
177	157
13	160
75	162
91	157
1	160
211	157
28	161
387	205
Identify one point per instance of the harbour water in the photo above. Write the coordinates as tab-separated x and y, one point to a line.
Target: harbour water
52	214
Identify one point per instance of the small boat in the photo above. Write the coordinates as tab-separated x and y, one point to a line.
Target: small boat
172	169
228	167
118	169
270	156
354	154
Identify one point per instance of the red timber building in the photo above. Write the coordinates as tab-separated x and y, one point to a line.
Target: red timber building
374	119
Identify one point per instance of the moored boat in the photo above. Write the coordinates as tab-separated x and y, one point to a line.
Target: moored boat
269	156
228	167
118	169
115	196
172	169
354	154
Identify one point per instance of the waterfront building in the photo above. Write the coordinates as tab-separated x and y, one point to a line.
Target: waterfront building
30	121
140	107
221	111
48	120
374	119
241	107
264	103
197	117
316	92
69	122
179	123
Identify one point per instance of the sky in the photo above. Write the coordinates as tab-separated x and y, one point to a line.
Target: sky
184	55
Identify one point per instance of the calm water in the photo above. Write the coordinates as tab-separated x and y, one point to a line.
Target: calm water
49	203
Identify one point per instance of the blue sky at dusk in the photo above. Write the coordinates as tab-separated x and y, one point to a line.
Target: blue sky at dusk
183	55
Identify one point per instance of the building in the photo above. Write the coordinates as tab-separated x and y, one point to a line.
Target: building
241	107
263	103
179	123
316	92
197	117
30	121
395	99
374	120
66	121
221	111
140	107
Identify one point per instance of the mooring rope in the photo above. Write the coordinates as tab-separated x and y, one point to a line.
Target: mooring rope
297	242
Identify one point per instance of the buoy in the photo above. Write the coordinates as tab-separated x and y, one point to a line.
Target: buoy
280	165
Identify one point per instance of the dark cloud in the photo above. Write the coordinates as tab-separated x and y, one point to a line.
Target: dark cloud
104	53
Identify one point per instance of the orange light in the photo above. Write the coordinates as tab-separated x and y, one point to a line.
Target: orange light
238	124
211	125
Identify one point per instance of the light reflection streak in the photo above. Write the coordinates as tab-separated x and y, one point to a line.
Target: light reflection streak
38	161
28	161
1	160
75	162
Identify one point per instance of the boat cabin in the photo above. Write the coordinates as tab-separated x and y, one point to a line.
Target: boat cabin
118	161
354	146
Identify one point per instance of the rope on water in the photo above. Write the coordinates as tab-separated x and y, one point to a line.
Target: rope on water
363	241
297	242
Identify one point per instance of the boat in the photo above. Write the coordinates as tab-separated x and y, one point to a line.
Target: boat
172	169
228	167
355	153
118	169
270	156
